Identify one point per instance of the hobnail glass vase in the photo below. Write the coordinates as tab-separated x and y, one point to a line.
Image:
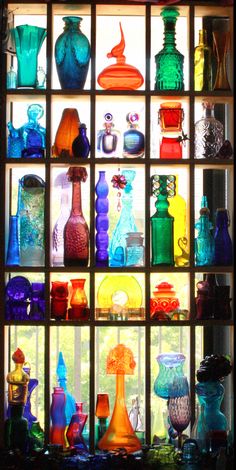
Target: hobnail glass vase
72	54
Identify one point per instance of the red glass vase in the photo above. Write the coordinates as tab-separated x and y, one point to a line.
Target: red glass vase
170	116
75	429
59	300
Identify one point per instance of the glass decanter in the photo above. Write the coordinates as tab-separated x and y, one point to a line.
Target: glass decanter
108	138
209	133
169	61
133	139
125	224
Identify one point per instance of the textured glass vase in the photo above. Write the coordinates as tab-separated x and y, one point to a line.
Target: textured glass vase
76	232
72	54
223	242
209	133
62	382
58	417
179	406
31	192
204	242
169	61
162	224
170	366
202	64
58	229
29	141
102	220
28	42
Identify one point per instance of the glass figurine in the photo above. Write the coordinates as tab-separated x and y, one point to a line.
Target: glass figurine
120	76
202	64
204	242
209	133
29	141
169	61
18	380
62	382
108	138
133	139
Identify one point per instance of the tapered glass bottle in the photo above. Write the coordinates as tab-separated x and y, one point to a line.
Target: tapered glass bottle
162	227
204	242
76	232
102	220
223	242
202	64
169	61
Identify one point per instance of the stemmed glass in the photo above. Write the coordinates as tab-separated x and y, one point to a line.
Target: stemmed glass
179	406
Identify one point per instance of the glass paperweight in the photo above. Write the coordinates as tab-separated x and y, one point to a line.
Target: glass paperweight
29	141
120	76
108	138
133	141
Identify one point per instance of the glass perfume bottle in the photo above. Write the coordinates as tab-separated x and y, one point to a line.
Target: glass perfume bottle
209	133
133	140
162	224
169	61
81	145
223	242
76	232
58	229
202	64
204	242
107	139
125	224
102	220
11	79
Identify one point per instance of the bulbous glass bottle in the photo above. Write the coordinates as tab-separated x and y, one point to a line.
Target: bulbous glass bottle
81	146
208	133
133	140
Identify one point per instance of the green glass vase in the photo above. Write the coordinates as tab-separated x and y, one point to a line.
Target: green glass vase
28	42
169	61
162	224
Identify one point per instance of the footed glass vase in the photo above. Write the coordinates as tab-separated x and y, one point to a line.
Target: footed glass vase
28	42
72	54
125	225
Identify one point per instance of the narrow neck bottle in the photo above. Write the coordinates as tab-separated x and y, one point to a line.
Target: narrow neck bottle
76	199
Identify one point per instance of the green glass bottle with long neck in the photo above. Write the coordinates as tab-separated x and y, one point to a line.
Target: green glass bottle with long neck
162	227
169	61
202	64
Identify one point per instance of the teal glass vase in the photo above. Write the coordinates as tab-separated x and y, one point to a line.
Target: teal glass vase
125	224
169	61
162	224
72	55
28	42
170	367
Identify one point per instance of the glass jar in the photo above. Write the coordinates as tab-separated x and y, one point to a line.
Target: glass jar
134	249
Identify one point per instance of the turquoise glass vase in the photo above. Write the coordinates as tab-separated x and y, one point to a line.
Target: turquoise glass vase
28	42
125	224
72	54
170	367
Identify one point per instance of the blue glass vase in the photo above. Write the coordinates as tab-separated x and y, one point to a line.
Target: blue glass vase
125	224
70	407
72	55
13	250
28	42
102	221
170	367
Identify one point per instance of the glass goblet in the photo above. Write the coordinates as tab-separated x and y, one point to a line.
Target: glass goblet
179	406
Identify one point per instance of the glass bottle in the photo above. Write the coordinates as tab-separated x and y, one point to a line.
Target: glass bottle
202	64
58	417
102	220
209	133
179	405
67	132
162	225
72	54
133	139
11	79
78	301
81	146
37	303
223	242
204	242
58	229
31	193
62	382
177	208
76	232
75	429
59	300
16	433
102	412
41	78
13	249
31	386
107	139
125	224
134	253
169	61
18	380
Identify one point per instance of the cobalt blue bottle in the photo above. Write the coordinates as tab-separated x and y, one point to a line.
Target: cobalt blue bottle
81	146
102	221
223	242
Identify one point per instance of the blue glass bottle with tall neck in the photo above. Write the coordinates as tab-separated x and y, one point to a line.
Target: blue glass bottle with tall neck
204	242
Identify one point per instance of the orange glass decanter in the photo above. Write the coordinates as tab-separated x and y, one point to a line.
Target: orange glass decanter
120	433
120	76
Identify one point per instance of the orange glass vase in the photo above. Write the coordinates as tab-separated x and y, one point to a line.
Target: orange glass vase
120	76
66	133
120	433
78	301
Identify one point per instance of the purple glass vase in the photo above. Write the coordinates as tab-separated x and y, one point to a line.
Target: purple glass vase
102	221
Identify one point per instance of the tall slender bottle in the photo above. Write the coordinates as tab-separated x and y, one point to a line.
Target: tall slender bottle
169	61
76	232
223	242
204	242
177	208
102	220
58	230
62	382
202	64
162	228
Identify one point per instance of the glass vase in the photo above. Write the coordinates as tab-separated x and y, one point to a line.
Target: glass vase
76	232
13	249
125	224
59	300
37	304
102	220
102	413
78	301
66	133
72	54
58	417
221	44
179	406
75	430
170	366
28	42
